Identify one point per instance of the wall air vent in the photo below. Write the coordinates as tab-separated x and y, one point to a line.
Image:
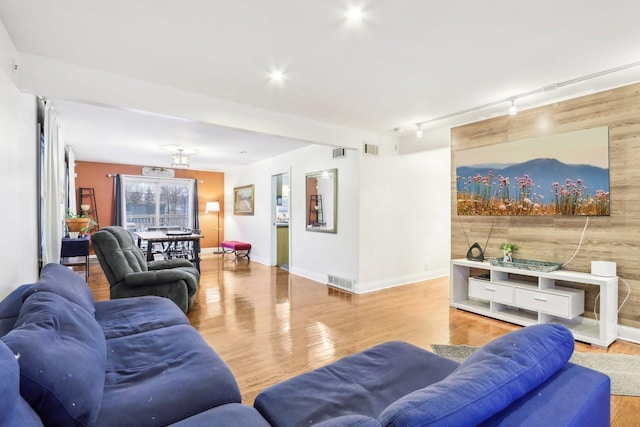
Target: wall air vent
370	150
342	283
339	152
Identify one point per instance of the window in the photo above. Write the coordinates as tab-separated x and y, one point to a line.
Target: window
157	203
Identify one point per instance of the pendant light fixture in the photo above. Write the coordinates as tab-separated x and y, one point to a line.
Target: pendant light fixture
180	160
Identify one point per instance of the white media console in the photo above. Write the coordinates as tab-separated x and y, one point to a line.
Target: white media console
527	297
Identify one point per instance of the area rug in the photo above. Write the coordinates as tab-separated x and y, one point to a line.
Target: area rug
624	370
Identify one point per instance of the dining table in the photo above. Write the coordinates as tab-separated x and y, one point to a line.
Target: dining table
172	238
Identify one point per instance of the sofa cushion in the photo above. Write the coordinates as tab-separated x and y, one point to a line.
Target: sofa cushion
350	421
62	354
14	410
488	381
129	316
10	309
364	383
60	280
162	376
229	415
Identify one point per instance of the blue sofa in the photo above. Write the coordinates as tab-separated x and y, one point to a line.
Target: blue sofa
519	379
66	360
70	361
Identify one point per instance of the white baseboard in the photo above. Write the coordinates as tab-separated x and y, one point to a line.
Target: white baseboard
321	278
363	288
627	333
393	282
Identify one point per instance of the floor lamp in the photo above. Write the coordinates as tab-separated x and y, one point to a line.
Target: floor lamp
214	207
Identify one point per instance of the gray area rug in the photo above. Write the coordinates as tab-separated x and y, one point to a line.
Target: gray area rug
623	370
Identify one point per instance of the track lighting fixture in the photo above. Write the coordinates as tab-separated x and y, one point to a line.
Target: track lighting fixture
513	110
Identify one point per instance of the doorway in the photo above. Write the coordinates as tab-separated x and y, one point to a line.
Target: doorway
280	220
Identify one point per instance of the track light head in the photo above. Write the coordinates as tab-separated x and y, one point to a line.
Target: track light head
513	110
419	132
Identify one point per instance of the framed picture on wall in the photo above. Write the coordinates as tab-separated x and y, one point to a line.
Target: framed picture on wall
558	174
243	200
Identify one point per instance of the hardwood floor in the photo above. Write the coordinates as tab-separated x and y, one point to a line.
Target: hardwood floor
268	325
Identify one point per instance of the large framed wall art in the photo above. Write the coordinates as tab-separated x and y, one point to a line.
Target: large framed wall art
562	174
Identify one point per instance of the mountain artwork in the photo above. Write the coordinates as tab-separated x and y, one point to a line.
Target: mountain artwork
564	174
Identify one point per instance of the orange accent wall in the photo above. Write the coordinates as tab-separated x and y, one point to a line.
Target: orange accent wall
210	187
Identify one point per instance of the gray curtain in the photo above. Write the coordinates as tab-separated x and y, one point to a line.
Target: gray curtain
117	201
196	221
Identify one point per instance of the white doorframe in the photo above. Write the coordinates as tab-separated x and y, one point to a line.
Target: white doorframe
274	213
274	228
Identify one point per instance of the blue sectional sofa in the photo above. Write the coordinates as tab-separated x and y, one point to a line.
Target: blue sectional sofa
519	379
66	360
124	362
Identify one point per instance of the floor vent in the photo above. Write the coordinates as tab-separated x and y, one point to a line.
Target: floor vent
339	152
370	150
342	283
339	293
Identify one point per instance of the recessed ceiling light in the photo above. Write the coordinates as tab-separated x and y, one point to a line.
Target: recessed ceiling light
277	76
354	14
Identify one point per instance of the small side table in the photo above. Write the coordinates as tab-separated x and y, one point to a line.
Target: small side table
75	252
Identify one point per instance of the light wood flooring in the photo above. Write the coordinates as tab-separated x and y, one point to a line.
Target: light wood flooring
269	325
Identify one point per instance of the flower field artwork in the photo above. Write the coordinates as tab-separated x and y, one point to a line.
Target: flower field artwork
563	174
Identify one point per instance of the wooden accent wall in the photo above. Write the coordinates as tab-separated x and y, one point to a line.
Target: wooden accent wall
210	187
555	238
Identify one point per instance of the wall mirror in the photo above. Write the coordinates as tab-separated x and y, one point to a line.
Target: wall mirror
322	201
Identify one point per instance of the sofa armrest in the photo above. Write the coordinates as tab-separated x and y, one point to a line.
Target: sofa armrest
157	277
163	264
574	396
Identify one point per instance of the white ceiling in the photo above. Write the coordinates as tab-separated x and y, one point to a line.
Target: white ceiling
409	61
113	135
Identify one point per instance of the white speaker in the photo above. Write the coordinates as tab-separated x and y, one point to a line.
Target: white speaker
603	268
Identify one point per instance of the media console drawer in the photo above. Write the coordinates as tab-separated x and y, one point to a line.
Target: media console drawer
569	304
489	291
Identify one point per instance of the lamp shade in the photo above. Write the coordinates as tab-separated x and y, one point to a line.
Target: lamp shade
212	207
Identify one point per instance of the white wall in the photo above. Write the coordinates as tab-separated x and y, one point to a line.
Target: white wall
405	217
313	255
18	216
393	216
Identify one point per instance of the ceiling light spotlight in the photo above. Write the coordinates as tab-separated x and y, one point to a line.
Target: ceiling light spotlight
513	110
277	76
354	14
419	132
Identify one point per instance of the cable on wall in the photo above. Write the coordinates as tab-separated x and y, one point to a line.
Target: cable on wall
595	304
579	244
